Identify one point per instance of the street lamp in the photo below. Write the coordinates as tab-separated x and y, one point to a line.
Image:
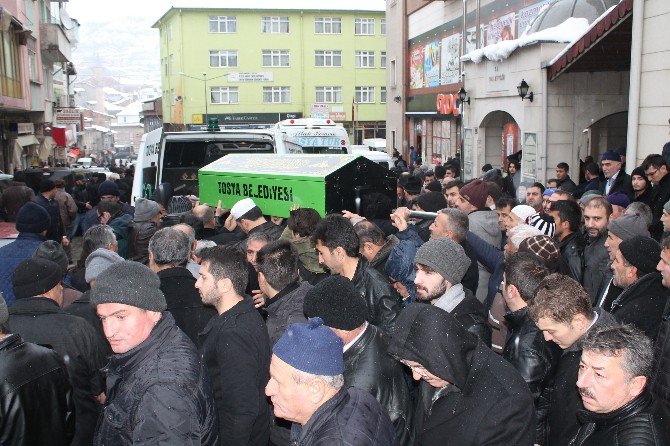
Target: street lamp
522	88
204	79
462	95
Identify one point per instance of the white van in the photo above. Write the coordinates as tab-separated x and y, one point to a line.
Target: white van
85	162
376	144
311	135
382	158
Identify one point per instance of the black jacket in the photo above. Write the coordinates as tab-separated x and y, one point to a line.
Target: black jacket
383	301
350	418
379	260
596	264
592	184
486	402
642	304
472	315
567	185
36	406
42	321
82	307
660	194
56	230
637	423
236	353
286	308
184	302
368	366
139	234
471	278
622	183
660	378
572	256
158	393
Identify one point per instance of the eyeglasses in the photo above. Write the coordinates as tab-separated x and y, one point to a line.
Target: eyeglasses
651	174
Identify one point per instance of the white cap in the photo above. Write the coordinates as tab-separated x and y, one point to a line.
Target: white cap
242	207
523	211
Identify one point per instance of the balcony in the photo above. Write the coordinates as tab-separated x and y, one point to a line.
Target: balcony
54	43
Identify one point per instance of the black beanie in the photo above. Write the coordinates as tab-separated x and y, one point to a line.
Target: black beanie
413	186
336	301
34	277
642	252
52	250
32	218
47	185
434	186
432	201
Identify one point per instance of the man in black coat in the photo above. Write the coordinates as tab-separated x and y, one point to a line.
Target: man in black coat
235	349
568	216
468	395
596	258
660	377
169	251
375	246
45	198
657	172
367	364
615	178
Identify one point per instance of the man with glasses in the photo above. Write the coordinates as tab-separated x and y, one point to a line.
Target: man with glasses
616	180
656	170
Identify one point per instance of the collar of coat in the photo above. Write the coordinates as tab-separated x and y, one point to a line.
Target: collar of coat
634	407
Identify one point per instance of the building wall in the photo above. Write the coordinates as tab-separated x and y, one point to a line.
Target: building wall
396	76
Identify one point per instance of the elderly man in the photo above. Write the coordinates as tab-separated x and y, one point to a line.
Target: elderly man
156	384
246	215
613	382
144	225
619	202
615	179
306	387
374	245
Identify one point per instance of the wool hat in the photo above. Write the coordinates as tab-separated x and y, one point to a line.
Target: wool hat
643	253
639	171
4	312
545	223
446	257
543	246
549	191
618	199
413	185
242	207
628	226
337	303
145	209
98	261
108	188
53	251
33	277
32	218
523	211
666	207
129	283
311	348
47	186
475	192
432	201
611	155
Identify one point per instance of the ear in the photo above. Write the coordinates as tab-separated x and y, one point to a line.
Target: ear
339	252
637	385
316	389
224	286
513	292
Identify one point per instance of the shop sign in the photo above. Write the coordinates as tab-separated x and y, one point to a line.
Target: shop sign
320	111
68	116
447	104
337	116
497	76
267	76
25	128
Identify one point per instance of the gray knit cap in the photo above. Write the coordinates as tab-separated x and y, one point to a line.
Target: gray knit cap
129	283
666	207
145	209
98	261
4	312
628	226
446	257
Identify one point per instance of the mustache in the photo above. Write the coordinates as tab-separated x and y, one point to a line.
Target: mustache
587	393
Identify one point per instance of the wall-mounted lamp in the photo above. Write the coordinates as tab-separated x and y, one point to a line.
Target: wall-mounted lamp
397	99
463	96
522	88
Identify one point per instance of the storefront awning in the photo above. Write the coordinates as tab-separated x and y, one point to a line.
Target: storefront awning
27	140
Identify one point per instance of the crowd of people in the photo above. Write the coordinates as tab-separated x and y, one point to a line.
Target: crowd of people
454	316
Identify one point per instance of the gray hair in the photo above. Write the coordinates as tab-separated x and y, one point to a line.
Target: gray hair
258	237
625	341
170	246
99	236
520	233
300	377
188	230
203	244
207	215
457	222
641	209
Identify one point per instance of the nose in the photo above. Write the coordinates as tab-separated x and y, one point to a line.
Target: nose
659	267
547	336
583	379
269	391
320	259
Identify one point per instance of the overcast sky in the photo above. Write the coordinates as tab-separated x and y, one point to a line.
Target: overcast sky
86	11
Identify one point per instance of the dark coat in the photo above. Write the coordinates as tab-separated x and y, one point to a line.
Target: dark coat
660	194
383	301
236	353
592	184
368	366
36	406
379	260
567	184
637	423
471	278
56	230
42	321
12	254
622	183
139	234
596	264
645	197
471	314
158	393
572	256
642	304
486	402
660	377
13	198
350	418
286	308
184	302
119	225
83	308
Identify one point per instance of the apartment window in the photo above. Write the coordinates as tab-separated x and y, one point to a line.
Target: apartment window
276	95
327	58
382	61
328	25
32	66
382	95
364	27
222	24
365	59
383	27
329	95
394	76
274	25
224	95
222	58
275	58
365	95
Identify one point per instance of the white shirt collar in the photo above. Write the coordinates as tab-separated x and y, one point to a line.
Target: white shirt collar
353	341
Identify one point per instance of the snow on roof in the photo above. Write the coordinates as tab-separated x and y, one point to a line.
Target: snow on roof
97	128
112	107
132	109
114	91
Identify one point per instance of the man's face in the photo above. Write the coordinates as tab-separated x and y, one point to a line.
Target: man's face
604	384
329	258
206	286
560	230
438	229
449	175
511	168
289	399
503	214
429	284
125	327
664	267
419	372
622	273
655	175
610	167
612	244
562	334
639	183
561	174
452	194
512	220
463	205
109	198
617	211
534	198
252	250
546	204
427	179
595	221
665	219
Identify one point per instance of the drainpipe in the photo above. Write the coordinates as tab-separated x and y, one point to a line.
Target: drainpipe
634	91
545	123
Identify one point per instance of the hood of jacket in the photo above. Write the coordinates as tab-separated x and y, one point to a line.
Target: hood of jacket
484	223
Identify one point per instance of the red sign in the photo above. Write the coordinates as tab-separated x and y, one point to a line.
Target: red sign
447	104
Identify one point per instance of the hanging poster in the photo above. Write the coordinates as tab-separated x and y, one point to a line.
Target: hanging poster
449	60
526	15
499	29
416	68
432	64
470	39
468	155
528	162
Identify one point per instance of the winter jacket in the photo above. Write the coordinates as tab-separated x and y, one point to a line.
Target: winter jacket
485	225
622	183
572	256
378	262
67	206
660	194
383	301
498	323
368	366
471	278
82	307
596	264
350	418
91	216
12	254
642	304
637	423
493	259
42	321
486	402
80	196
158	393
119	225
13	198
36	405
567	184
184	302
592	184
139	234
286	308
645	197
309	268
55	230
660	378
236	353
462	304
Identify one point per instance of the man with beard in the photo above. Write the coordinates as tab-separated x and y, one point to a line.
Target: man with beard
596	257
534	196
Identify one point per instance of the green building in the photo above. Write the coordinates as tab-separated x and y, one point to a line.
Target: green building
282	59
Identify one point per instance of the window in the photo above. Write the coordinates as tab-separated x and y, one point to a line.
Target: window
171	67
222	58
328	25
394	76
274	25
365	59
329	95
365	95
364	27
276	95
222	24
32	66
382	61
275	58
382	95
327	58
382	25
224	95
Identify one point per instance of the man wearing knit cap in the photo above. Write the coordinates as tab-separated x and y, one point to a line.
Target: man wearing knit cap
643	298
156	385
37	317
619	202
306	387
615	178
107	191
55	252
440	266
46	199
367	364
144	225
248	217
519	215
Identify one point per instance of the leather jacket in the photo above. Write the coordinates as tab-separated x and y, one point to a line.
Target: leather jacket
383	301
572	254
637	423
139	234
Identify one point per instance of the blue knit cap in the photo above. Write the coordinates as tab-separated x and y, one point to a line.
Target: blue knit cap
611	155
311	348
